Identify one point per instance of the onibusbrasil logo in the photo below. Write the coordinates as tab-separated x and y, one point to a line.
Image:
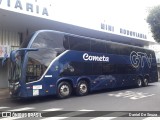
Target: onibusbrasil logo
88	57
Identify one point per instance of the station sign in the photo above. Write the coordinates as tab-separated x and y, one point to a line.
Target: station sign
122	31
29	7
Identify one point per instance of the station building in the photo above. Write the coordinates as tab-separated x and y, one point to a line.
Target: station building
19	18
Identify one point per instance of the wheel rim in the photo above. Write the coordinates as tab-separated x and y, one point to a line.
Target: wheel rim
64	90
139	82
83	88
145	82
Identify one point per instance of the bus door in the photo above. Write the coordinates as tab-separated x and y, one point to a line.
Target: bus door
15	73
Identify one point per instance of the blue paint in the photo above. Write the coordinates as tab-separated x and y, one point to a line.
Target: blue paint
102	70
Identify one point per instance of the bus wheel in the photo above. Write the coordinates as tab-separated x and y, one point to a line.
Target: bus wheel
145	82
139	82
64	90
82	88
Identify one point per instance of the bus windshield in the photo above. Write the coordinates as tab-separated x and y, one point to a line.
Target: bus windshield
16	68
49	45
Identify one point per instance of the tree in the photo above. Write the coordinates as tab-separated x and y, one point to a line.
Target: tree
153	19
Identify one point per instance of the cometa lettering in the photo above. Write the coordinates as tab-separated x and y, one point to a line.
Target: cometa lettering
88	57
29	7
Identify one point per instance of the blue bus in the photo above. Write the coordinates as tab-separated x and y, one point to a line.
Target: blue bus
57	63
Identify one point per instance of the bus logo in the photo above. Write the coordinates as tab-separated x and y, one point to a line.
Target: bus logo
138	59
88	57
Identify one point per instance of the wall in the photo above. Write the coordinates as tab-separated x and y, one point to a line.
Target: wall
11	39
3	75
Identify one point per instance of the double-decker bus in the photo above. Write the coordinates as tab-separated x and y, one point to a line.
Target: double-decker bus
57	63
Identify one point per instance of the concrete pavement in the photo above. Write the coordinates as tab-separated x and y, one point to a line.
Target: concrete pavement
4	93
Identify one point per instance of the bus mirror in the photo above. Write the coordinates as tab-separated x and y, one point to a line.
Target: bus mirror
12	55
28	49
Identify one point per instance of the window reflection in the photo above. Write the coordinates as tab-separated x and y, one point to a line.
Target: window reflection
50	45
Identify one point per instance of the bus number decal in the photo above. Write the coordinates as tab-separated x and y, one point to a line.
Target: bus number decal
88	57
138	58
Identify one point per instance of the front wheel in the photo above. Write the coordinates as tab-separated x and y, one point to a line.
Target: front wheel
82	88
64	90
139	82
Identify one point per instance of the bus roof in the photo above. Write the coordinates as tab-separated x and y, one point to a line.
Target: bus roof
120	43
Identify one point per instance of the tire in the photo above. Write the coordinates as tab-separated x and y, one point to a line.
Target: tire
64	90
139	82
145	82
82	88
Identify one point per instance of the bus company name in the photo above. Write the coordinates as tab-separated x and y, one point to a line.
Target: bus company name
88	57
27	7
138	59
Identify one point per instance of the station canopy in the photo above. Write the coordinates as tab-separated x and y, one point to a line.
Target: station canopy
21	23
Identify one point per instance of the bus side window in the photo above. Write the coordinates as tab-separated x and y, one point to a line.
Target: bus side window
108	69
34	70
80	44
66	42
97	68
98	46
76	68
126	50
118	49
112	48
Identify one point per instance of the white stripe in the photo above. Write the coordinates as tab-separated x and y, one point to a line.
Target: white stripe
107	116
53	109
10	118
152	118
54	118
47	76
21	109
3	107
67	115
86	110
103	118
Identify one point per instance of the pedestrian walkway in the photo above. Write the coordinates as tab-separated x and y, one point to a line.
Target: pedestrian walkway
4	93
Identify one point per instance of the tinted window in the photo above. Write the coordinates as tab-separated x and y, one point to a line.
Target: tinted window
43	56
125	69
76	68
109	69
79	43
66	42
117	69
113	48
50	45
26	42
97	68
98	46
48	40
118	49
34	70
126	50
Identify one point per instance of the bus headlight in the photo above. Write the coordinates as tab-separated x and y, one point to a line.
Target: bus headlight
16	85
